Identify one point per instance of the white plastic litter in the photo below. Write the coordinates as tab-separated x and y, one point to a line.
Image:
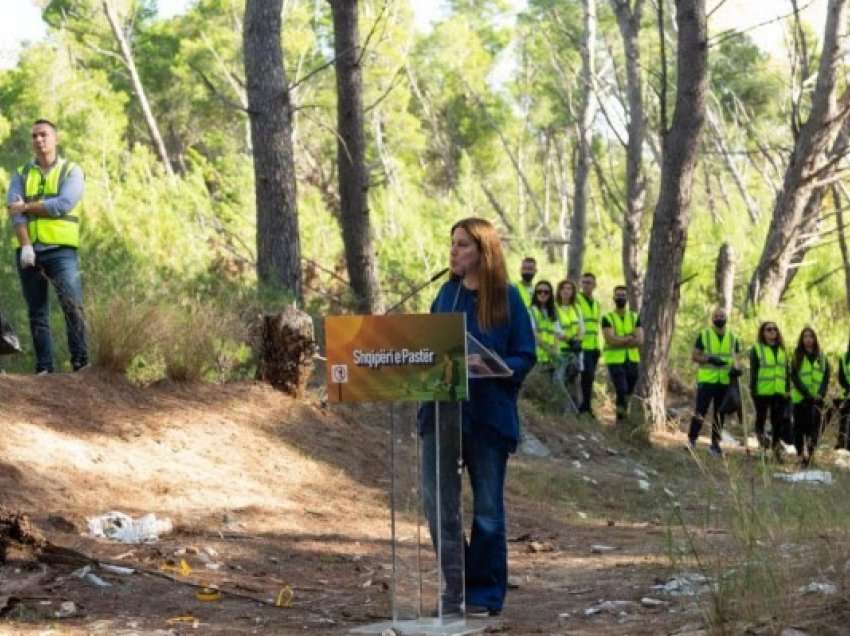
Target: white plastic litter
816	587
116	569
643	485
811	476
122	527
86	574
685	584
600	549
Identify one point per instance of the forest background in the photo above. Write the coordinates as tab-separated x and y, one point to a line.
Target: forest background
547	117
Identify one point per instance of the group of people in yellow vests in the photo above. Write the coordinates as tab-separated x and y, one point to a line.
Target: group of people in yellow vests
789	387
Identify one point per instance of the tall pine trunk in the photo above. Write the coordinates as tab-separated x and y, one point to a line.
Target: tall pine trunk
672	212
808	165
628	20
270	111
351	150
578	224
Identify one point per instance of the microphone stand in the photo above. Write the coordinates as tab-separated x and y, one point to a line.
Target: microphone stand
418	289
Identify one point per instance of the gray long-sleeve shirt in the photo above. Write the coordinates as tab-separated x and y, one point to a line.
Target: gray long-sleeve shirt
70	193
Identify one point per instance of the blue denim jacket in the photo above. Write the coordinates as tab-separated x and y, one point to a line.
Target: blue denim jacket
492	403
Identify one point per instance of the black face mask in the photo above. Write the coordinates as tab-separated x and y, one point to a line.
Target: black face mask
620	302
527	277
719	322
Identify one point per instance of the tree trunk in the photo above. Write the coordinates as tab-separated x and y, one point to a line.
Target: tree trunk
723	150
842	243
138	87
628	19
724	277
578	224
672	212
270	110
351	150
808	164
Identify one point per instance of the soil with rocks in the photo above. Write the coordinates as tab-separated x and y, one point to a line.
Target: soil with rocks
282	506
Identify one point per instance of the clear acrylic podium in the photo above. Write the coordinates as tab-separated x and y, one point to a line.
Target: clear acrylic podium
427	514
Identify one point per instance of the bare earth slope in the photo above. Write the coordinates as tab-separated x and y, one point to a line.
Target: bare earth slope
279	494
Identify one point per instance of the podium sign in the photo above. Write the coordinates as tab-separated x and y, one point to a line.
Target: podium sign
396	358
405	361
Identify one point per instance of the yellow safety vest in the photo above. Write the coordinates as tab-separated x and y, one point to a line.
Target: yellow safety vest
772	376
811	375
63	230
590	314
570	319
525	293
623	326
714	346
544	329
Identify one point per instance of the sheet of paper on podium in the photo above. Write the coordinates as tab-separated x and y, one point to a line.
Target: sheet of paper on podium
483	362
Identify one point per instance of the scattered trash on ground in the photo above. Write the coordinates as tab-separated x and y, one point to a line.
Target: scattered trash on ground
617	608
648	601
122	527
116	569
685	584
816	587
643	484
806	476
87	575
540	546
601	549
66	610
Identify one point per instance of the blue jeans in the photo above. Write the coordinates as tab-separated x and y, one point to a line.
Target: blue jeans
485	456
60	267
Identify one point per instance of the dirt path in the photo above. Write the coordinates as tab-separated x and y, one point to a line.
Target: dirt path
270	495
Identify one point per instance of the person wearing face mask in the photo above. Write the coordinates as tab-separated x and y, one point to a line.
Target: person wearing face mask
528	270
809	380
590	313
623	337
498	318
716	352
770	385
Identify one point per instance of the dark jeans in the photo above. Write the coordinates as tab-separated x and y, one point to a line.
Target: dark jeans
706	395
485	555
624	378
807	419
844	425
60	267
591	359
776	406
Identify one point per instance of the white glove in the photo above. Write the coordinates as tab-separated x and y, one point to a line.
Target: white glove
27	256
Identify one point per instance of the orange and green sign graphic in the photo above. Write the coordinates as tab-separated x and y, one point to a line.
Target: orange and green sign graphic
416	357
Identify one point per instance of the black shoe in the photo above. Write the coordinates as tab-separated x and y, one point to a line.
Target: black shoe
715	450
479	611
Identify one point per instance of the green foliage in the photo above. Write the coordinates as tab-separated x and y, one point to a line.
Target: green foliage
472	117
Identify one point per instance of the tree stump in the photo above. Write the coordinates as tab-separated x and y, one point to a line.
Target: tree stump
286	350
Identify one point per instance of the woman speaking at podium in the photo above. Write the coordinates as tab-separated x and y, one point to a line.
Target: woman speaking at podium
497	317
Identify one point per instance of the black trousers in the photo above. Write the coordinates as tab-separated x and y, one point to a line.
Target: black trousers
844	425
775	406
591	359
624	378
807	420
708	394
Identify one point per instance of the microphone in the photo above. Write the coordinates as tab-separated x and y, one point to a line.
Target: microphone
418	289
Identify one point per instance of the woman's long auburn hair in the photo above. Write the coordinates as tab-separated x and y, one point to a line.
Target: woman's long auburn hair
492	272
800	351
